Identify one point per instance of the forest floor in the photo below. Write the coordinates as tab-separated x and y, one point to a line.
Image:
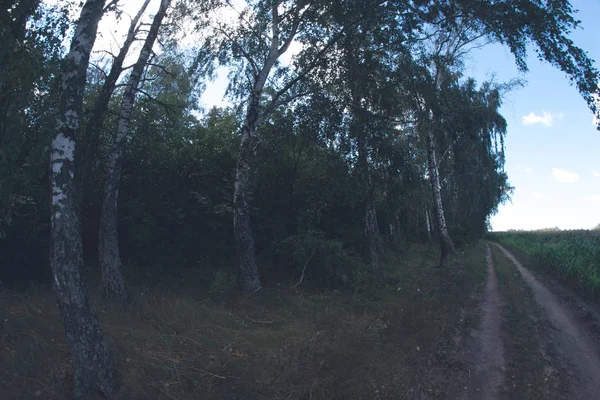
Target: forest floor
482	328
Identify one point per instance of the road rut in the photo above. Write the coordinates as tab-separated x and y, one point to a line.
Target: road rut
488	354
571	339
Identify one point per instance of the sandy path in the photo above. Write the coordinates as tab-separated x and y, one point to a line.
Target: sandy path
488	354
571	338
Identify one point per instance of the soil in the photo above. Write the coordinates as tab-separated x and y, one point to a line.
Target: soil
571	338
486	349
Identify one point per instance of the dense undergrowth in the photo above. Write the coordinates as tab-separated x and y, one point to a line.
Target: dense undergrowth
571	255
188	338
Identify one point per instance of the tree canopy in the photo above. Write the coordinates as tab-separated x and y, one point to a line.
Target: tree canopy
367	137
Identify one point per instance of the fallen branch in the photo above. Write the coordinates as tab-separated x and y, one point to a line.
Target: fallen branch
304	270
210	373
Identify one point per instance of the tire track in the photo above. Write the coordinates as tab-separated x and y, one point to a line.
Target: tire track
571	339
488	356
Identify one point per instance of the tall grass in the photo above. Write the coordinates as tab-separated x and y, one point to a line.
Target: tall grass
573	255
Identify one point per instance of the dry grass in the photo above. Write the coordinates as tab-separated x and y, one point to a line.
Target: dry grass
275	344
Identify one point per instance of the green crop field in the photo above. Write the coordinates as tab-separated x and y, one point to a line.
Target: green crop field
573	255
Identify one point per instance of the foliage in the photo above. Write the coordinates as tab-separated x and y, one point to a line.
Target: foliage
573	255
329	152
326	262
30	49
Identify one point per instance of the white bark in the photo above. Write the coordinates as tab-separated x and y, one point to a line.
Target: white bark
108	246
427	220
249	278
447	247
92	370
92	131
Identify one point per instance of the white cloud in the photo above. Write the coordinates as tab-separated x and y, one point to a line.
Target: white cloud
538	195
596	174
526	169
593	198
545	119
564	176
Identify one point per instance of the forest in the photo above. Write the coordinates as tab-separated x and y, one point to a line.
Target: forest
354	134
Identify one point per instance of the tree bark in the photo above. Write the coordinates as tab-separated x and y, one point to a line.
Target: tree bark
108	244
92	369
248	277
428	221
371	232
446	245
94	125
452	186
370	226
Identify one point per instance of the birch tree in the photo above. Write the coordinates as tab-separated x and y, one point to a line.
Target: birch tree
92	370
108	242
100	107
361	98
447	48
255	46
545	25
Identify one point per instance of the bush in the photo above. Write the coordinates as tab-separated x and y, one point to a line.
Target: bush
325	262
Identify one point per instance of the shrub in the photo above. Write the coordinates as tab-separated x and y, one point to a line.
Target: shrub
326	262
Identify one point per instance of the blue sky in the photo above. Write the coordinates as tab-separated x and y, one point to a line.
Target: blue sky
552	145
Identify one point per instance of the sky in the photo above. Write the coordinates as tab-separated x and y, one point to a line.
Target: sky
552	145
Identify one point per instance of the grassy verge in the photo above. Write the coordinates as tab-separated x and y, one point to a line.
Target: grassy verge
532	370
278	343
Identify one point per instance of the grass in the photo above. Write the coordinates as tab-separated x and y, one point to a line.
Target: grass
573	256
176	342
531	371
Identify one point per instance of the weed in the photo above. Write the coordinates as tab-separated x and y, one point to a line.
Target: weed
171	342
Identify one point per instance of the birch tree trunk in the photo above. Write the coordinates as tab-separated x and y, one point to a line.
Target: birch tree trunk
446	245
371	233
370	227
428	221
248	277
452	186
92	369
108	244
94	125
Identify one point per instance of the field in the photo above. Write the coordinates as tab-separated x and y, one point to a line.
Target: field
572	255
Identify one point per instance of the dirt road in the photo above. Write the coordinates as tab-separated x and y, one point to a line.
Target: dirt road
529	344
571	339
486	351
